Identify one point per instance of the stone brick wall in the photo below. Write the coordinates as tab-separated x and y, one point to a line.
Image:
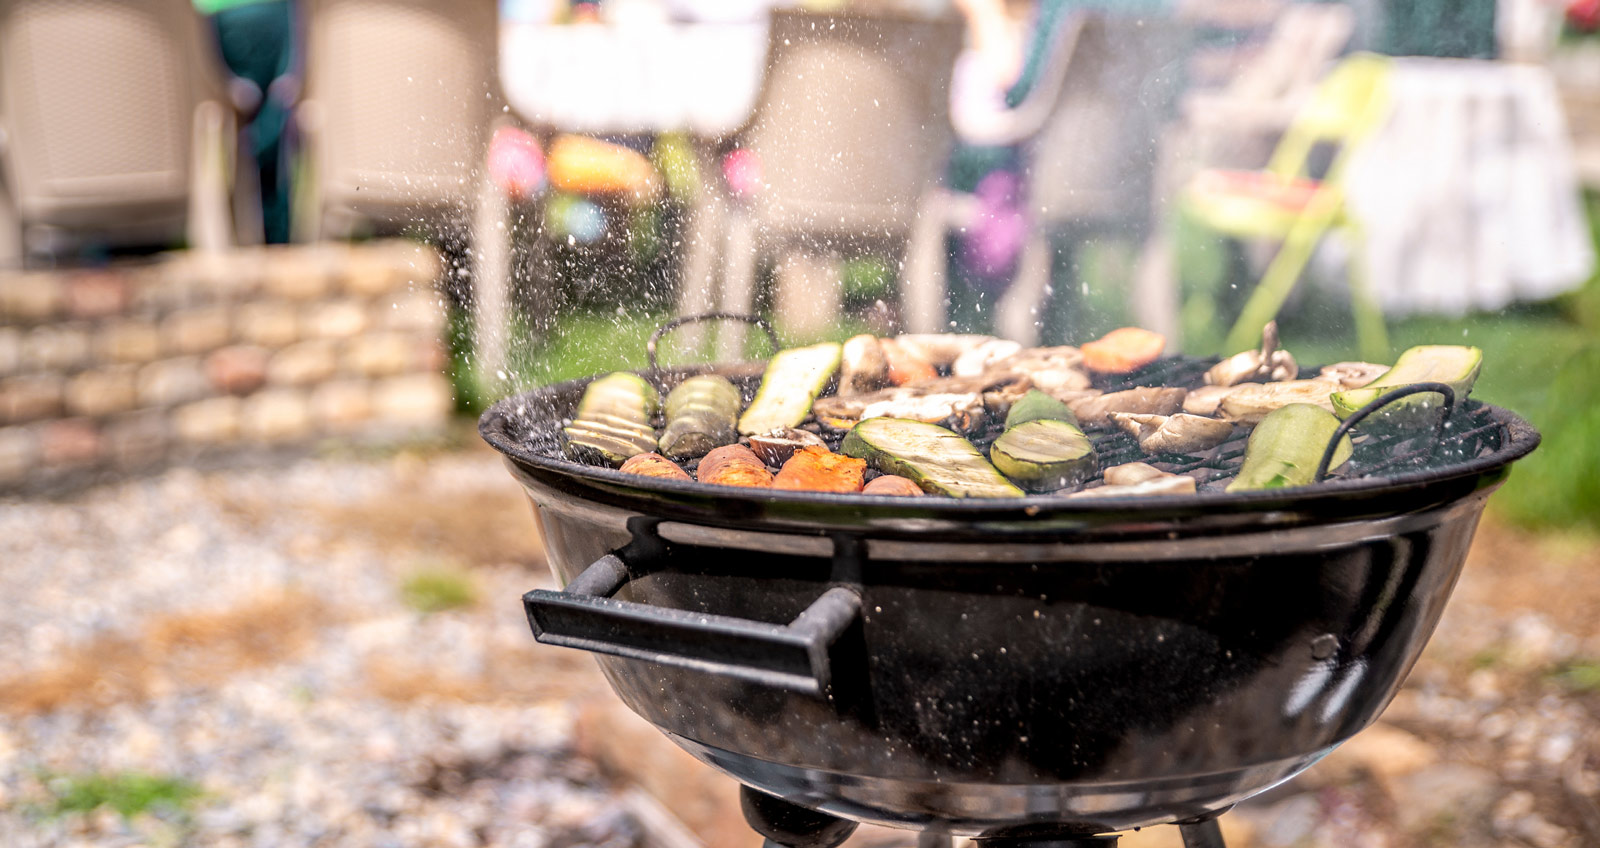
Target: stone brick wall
188	355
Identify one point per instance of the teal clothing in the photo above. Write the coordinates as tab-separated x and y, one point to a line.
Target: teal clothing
257	39
211	7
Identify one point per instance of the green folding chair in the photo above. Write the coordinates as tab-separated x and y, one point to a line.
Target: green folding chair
1285	204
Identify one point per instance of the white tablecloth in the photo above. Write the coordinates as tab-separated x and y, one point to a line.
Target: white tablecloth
1467	195
633	77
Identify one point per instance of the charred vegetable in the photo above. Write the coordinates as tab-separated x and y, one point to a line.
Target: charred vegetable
1251	402
892	484
701	414
934	458
1044	454
654	465
815	469
776	447
863	367
1454	365
793	380
734	465
1286	446
1123	351
613	421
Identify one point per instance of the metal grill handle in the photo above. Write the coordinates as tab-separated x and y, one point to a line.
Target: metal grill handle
1380	402
793	656
655	338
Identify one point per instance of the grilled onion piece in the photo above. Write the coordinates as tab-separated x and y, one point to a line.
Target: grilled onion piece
934	458
1178	433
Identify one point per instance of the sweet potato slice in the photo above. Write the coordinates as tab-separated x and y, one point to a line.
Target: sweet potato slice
734	465
1123	351
891	484
654	465
815	469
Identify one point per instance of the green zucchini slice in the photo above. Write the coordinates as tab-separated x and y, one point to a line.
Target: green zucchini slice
1286	446
938	460
701	414
1456	366
793	380
613	421
1044	454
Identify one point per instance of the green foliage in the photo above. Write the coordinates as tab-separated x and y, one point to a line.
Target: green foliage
129	793
1559	485
438	589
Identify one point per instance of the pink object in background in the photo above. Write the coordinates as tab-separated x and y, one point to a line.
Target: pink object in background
741	169
516	163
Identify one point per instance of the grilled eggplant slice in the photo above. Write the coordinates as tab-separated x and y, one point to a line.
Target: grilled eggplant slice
1044	454
613	421
938	460
1286	446
701	414
1454	365
792	382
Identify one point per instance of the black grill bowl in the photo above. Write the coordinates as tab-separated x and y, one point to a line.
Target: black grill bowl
974	667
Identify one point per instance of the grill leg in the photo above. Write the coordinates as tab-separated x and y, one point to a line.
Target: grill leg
788	825
1205	834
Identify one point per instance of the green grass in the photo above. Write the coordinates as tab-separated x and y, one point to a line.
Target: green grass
1579	676
437	589
129	793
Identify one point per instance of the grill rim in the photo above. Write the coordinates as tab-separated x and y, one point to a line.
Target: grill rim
494	426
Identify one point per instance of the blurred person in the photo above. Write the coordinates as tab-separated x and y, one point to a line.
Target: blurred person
1010	42
257	40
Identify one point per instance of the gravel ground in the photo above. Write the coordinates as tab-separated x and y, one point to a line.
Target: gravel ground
247	632
244	631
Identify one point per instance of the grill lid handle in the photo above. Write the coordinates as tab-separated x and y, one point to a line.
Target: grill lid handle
793	656
655	338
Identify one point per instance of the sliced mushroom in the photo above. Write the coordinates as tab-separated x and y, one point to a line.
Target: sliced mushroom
960	412
1251	402
776	447
977	360
1177	433
1268	364
938	348
1171	484
1130	473
1096	411
863	366
1050	369
1206	399
1353	375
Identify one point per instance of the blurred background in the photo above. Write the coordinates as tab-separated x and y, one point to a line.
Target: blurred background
263	261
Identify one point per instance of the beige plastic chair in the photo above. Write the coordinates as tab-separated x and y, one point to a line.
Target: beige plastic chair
399	100
851	128
115	122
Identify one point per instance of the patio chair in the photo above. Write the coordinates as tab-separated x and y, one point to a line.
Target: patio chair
399	106
115	126
849	131
1286	204
1088	130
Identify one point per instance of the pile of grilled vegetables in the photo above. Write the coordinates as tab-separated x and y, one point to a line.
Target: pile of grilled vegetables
979	417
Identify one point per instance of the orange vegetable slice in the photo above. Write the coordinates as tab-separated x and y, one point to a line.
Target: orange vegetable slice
1123	351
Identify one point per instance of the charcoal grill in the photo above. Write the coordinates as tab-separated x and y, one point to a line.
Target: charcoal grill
1035	671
